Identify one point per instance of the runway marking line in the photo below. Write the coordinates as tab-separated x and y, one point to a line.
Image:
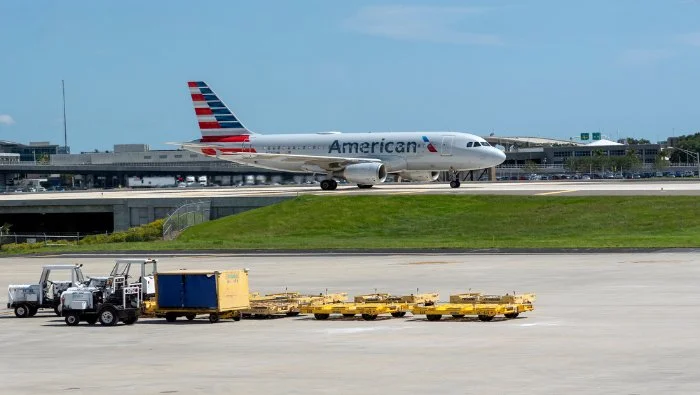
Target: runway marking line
555	192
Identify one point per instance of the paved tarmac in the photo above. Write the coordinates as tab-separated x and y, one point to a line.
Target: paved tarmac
604	324
686	187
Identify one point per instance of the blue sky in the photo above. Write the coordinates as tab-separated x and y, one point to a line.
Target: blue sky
540	68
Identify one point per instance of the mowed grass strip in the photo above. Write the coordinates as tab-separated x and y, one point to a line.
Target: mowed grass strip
438	221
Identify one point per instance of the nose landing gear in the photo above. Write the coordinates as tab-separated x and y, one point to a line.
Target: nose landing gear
454	179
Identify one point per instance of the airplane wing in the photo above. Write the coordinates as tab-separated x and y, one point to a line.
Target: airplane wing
304	162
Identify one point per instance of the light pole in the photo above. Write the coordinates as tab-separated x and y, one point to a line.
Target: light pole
695	155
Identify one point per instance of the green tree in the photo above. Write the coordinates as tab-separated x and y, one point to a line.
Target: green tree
631	161
530	166
688	143
4	230
600	160
661	161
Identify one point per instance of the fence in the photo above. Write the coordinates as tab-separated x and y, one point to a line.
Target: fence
46	238
185	216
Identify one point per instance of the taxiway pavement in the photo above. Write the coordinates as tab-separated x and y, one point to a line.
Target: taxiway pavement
603	323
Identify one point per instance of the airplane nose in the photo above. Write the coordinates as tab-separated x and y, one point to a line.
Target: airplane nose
499	156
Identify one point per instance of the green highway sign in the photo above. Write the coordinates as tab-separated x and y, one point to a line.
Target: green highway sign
596	136
585	136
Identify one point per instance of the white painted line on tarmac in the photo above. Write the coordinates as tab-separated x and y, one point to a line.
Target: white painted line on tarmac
556	192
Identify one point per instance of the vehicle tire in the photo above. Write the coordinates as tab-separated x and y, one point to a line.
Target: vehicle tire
369	317
213	318
57	310
170	317
326	185
107	315
72	319
485	318
334	185
433	317
512	315
131	320
91	319
363	186
292	313
455	184
190	317
237	316
457	315
398	314
348	315
320	316
22	311
33	310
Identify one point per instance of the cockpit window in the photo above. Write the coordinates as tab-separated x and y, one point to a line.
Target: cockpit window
469	144
485	144
476	144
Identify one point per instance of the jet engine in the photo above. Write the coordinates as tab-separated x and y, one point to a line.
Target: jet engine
419	175
365	173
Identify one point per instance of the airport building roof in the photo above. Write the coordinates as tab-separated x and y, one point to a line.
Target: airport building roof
529	140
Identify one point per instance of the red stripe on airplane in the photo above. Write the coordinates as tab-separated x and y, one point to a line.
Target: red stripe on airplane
197	97
208	151
236	150
242	138
203	111
209	125
192	84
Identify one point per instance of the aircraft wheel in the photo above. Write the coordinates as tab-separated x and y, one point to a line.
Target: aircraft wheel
334	184
326	185
455	184
364	186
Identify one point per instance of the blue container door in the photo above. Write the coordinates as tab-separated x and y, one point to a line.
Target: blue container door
200	291
170	291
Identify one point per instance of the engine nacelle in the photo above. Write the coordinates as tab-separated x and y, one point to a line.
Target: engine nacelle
365	173
419	175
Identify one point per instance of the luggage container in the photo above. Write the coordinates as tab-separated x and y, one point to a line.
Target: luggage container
188	293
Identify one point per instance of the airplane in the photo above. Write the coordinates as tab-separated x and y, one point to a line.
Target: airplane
364	159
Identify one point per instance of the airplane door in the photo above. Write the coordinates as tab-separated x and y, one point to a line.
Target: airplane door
446	147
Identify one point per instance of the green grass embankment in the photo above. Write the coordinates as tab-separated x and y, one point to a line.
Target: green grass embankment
442	221
312	222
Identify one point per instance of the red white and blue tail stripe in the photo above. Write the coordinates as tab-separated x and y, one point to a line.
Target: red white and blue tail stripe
216	122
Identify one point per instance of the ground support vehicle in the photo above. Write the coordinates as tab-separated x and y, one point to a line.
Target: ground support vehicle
287	303
522	302
26	300
144	268
369	307
188	293
117	302
484	307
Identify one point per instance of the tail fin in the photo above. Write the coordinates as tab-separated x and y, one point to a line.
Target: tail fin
216	121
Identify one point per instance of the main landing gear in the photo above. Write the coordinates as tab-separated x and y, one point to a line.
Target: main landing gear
454	177
329	185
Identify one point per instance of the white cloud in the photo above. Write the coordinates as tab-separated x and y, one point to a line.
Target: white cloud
644	57
419	23
690	39
6	119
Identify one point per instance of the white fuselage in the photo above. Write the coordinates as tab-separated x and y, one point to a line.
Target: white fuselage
410	151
